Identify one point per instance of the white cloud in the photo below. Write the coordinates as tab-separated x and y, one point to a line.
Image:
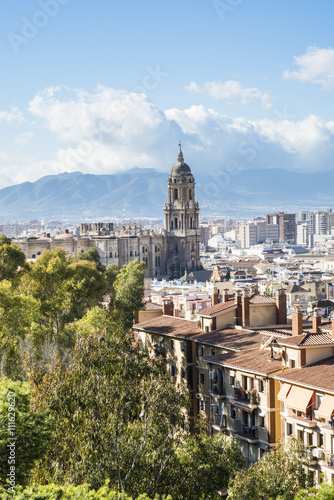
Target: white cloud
12	116
230	91
108	131
315	66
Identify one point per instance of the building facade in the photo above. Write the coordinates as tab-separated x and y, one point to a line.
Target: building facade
179	238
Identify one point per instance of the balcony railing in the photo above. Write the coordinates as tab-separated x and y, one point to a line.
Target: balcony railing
242	395
218	420
245	430
217	390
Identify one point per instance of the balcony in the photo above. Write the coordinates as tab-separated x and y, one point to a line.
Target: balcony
328	425
246	399
306	419
217	391
218	421
245	432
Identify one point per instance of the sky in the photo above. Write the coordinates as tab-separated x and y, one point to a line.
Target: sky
103	86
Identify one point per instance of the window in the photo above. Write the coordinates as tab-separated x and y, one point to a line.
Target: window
261	385
201	378
183	373
200	351
212	352
183	347
232	380
261	421
33	256
318	399
292	363
190	194
172	345
233	413
175	194
110	254
289	429
130	253
172	370
202	405
310	439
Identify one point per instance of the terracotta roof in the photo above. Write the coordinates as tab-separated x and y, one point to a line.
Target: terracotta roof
222	306
169	325
318	375
234	339
309	339
64	236
150	306
260	299
255	361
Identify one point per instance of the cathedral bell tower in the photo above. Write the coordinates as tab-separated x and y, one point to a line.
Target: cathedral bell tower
182	215
181	211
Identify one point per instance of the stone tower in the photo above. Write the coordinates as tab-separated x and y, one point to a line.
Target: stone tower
182	216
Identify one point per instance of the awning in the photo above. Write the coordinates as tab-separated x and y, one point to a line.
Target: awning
326	407
299	398
283	392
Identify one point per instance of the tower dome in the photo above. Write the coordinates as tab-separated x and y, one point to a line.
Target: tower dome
181	170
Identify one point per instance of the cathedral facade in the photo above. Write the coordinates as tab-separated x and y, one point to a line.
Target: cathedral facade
180	236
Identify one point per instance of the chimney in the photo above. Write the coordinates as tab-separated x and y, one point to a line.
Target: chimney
316	321
281	307
215	296
167	307
245	309
238	311
225	295
297	321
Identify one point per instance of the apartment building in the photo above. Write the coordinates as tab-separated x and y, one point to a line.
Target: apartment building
287	228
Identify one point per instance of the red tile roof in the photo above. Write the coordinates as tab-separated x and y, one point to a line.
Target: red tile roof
319	375
169	325
254	361
222	306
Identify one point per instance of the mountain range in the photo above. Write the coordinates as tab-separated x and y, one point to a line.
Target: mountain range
143	192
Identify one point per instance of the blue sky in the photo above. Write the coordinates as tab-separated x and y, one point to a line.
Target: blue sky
106	86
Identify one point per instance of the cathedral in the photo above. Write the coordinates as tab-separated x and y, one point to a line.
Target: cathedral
178	238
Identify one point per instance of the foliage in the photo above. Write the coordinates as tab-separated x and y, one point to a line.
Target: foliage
129	291
12	260
280	473
267	292
82	492
92	255
116	415
325	492
204	466
64	290
26	432
228	275
17	313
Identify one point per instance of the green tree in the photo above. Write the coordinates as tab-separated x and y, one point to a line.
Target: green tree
228	275
82	492
92	255
17	316
24	435
64	290
129	291
12	260
116	415
324	492
204	466
280	473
